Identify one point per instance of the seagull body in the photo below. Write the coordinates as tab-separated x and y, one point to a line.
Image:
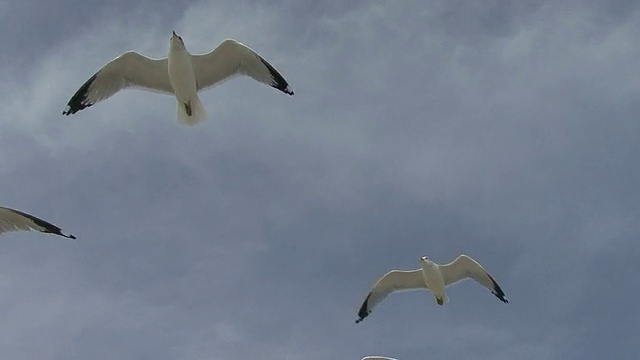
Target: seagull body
180	74
14	220
183	81
430	276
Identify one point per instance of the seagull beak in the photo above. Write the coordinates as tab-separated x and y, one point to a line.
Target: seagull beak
174	34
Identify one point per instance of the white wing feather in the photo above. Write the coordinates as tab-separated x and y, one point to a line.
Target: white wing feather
233	58
130	69
465	267
395	280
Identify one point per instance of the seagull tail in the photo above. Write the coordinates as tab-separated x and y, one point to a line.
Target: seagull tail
441	299
191	112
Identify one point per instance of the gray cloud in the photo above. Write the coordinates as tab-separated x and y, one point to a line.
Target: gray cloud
505	130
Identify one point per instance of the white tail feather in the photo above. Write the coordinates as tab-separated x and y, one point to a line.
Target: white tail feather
198	113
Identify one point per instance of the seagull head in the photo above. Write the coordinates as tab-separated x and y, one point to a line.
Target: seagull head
424	259
176	41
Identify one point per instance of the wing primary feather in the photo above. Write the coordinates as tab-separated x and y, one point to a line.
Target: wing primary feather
364	310
18	220
279	82
78	100
497	290
46	227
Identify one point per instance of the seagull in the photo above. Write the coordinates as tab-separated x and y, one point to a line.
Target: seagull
431	276
14	220
377	358
180	74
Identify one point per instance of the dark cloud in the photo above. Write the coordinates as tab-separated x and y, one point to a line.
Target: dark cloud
505	130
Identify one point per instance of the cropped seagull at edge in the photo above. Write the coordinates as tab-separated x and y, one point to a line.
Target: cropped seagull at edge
14	220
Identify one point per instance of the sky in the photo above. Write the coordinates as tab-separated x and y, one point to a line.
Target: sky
506	130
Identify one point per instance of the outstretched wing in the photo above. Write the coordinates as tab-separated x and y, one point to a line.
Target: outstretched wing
127	70
465	267
14	220
232	58
394	280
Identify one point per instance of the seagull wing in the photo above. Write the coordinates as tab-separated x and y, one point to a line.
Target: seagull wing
465	267
233	58
127	70
14	220
394	280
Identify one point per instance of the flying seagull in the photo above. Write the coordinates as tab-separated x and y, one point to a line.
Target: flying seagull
180	74
377	358
431	276
14	220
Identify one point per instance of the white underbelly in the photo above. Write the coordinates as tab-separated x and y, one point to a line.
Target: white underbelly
182	77
434	281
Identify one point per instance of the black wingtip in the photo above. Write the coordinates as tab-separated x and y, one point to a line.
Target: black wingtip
364	311
279	82
46	226
60	233
78	100
497	291
52	229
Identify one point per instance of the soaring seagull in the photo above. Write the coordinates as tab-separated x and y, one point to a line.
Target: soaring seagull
430	276
14	220
180	74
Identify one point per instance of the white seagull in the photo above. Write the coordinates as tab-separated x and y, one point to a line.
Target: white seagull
180	74
14	220
378	358
431	276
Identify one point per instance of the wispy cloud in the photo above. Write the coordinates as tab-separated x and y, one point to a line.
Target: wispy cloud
507	131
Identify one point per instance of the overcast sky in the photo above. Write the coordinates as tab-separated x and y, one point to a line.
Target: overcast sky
505	130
